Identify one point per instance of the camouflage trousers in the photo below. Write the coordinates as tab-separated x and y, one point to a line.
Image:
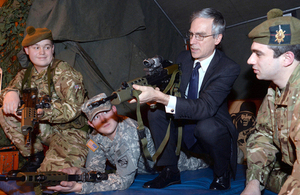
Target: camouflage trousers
67	148
292	184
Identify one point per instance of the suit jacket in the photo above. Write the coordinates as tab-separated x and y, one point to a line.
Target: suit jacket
212	102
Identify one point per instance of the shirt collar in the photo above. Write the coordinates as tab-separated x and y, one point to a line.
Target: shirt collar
205	63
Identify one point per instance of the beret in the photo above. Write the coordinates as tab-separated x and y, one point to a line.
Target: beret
35	35
93	106
277	30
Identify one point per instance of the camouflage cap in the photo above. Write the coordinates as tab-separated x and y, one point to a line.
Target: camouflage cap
35	35
277	30
93	106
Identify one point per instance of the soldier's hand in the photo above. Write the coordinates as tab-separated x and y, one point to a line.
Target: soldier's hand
67	186
40	112
11	102
71	171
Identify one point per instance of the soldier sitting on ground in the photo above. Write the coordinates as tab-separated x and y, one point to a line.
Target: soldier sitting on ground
62	126
115	138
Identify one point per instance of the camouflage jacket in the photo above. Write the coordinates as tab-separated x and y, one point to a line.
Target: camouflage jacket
123	152
277	131
66	99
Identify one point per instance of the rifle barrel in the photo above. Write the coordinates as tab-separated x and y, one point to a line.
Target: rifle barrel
8	178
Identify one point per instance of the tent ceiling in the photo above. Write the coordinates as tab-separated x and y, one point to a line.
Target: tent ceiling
234	11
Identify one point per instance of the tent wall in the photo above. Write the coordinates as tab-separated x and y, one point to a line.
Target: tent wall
116	35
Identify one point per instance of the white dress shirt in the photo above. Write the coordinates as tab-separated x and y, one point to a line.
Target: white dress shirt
170	108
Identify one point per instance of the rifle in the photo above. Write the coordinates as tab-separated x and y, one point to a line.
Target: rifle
159	73
29	104
53	178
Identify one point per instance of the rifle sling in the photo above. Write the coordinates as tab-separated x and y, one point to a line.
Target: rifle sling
141	128
173	88
50	70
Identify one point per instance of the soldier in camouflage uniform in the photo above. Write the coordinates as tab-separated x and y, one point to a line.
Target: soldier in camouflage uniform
273	149
115	138
62	127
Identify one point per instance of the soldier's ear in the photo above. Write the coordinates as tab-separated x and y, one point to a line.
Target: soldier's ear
26	49
114	109
288	58
53	49
91	124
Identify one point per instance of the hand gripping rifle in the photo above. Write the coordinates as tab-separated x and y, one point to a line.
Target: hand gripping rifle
53	178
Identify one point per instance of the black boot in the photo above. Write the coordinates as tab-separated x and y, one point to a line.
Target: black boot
166	178
33	162
31	165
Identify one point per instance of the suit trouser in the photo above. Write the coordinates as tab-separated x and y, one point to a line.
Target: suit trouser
213	138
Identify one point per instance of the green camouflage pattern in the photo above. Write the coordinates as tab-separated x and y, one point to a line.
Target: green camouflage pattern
4	141
60	126
124	153
275	142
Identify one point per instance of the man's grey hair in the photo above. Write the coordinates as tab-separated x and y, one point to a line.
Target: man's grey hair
219	23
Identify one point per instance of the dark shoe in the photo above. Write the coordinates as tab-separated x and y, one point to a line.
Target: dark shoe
164	179
221	183
33	163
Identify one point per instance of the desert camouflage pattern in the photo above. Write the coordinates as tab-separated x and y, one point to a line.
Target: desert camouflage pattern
125	154
60	126
273	150
291	187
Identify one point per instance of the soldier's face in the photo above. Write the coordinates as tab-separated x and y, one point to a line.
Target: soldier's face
106	122
264	65
40	54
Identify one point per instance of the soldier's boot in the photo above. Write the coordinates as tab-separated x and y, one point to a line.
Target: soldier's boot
33	162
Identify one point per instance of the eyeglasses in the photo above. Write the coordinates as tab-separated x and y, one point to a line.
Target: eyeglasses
198	36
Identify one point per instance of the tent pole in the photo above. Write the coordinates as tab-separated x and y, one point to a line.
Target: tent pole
262	17
170	21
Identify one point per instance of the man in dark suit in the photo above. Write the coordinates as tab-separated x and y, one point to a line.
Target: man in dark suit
203	110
